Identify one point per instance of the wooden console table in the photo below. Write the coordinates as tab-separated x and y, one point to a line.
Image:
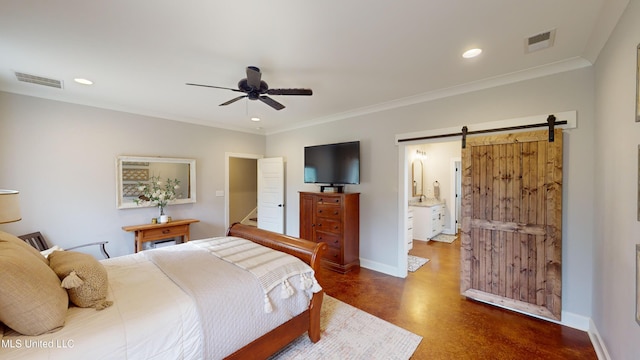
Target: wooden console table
155	232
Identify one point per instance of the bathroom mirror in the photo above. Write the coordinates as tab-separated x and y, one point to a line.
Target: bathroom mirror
416	176
130	170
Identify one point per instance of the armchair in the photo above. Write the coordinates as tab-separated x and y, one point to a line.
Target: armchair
37	241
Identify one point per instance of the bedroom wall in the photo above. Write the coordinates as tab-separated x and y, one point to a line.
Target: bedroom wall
61	157
617	227
379	186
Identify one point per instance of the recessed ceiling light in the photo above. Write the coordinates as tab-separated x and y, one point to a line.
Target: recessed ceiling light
256	119
83	81
471	53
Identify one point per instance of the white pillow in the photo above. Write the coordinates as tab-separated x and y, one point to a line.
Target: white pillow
48	252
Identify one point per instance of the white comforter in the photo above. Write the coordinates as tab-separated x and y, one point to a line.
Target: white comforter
152	318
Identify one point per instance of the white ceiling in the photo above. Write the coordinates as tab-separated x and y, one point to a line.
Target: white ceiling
356	55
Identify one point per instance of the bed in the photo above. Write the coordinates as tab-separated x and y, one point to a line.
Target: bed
167	304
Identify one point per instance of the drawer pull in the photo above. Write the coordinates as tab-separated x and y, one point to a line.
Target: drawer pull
335	212
167	231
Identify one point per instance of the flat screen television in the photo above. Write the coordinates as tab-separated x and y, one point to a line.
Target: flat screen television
332	164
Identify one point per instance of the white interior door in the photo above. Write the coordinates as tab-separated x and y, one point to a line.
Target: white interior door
271	194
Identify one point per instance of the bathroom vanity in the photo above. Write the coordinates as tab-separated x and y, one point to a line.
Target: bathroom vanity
428	219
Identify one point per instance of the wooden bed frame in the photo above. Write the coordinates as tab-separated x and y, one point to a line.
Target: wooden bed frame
309	321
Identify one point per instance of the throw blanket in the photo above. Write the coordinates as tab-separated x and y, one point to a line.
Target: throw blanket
227	297
270	267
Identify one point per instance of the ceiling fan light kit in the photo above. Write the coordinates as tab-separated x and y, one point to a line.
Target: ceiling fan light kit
256	89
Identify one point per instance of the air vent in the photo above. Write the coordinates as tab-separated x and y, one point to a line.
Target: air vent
540	41
38	80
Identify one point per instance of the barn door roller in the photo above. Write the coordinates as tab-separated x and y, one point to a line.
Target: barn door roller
465	129
551	121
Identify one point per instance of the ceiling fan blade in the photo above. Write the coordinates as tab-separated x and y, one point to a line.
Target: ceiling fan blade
233	100
215	87
289	92
269	101
253	77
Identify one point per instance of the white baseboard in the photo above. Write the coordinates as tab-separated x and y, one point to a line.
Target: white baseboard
448	231
575	321
379	267
598	344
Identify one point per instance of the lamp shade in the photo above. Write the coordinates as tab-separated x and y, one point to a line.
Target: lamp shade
9	206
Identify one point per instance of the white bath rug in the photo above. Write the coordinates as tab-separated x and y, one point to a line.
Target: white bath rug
445	238
415	262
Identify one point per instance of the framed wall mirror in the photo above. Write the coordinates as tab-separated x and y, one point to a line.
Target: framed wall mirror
132	170
416	175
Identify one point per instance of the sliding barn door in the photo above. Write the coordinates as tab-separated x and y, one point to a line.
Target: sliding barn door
511	236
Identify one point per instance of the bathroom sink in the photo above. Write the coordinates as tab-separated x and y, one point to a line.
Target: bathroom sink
426	202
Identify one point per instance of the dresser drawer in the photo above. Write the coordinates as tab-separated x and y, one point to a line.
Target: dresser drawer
332	254
329	224
333	240
330	211
329	200
164	232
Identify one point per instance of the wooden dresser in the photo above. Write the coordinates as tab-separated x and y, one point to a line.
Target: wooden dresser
333	218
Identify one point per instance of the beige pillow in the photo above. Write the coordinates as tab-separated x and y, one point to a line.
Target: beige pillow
22	244
84	277
31	299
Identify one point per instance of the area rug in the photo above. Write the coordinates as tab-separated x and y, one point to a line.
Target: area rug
350	333
445	238
415	262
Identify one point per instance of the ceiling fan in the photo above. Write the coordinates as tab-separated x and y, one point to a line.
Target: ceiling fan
256	89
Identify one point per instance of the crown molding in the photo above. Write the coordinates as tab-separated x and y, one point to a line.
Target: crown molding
505	79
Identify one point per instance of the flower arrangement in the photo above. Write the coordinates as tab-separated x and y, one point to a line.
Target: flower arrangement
157	192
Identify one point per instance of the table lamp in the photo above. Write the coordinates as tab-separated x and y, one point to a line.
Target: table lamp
9	206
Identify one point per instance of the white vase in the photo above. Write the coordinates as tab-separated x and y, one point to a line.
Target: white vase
162	219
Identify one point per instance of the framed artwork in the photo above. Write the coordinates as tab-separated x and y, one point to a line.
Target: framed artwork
638	283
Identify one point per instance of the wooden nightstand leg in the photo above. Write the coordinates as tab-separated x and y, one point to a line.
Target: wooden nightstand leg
138	243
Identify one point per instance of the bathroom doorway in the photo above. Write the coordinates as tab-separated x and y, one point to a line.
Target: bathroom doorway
440	177
440	159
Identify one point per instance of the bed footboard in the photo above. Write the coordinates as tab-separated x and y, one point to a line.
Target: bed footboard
309	321
307	251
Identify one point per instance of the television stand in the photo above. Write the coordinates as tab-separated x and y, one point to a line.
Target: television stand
337	188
